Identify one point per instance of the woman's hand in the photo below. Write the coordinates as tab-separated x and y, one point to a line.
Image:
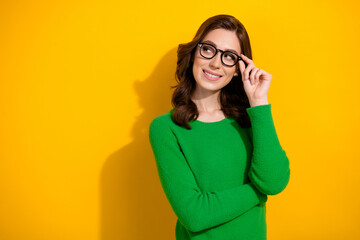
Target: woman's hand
257	84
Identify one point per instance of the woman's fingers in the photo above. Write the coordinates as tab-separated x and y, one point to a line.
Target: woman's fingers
244	71
246	59
249	72
252	74
258	74
249	68
241	66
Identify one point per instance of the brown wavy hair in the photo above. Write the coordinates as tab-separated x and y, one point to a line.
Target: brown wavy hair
233	99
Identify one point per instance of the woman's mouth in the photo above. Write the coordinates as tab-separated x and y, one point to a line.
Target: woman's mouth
211	76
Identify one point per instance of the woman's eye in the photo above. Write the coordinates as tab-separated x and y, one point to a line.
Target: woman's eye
230	56
206	49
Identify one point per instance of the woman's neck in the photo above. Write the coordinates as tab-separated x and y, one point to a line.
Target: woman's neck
207	102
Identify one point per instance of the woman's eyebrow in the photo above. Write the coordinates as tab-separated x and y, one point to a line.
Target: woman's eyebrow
209	41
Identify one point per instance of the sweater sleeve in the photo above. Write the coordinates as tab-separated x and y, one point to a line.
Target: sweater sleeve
195	209
269	170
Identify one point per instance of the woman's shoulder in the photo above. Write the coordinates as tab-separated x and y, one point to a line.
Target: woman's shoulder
163	119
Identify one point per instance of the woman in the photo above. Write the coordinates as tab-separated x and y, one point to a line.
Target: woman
217	152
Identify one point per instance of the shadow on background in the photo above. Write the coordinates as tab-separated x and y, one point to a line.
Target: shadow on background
133	204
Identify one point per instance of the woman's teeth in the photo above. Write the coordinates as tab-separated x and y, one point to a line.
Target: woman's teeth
213	76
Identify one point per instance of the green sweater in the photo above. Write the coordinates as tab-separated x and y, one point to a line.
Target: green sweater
217	175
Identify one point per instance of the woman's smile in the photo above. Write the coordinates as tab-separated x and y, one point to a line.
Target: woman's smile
210	76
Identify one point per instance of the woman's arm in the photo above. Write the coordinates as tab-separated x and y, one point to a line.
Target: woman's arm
269	170
195	209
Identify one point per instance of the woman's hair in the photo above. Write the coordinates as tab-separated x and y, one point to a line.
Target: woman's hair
233	98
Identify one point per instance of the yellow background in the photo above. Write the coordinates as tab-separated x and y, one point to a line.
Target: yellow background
80	82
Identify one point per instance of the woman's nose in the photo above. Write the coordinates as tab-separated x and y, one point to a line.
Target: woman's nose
215	62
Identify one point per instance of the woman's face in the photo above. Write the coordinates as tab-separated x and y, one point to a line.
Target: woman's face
224	40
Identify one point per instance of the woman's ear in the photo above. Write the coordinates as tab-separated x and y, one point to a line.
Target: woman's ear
237	71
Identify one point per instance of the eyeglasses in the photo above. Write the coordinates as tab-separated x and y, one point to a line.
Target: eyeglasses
209	51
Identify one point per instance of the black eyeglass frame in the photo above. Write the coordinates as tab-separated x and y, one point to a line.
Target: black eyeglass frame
222	53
